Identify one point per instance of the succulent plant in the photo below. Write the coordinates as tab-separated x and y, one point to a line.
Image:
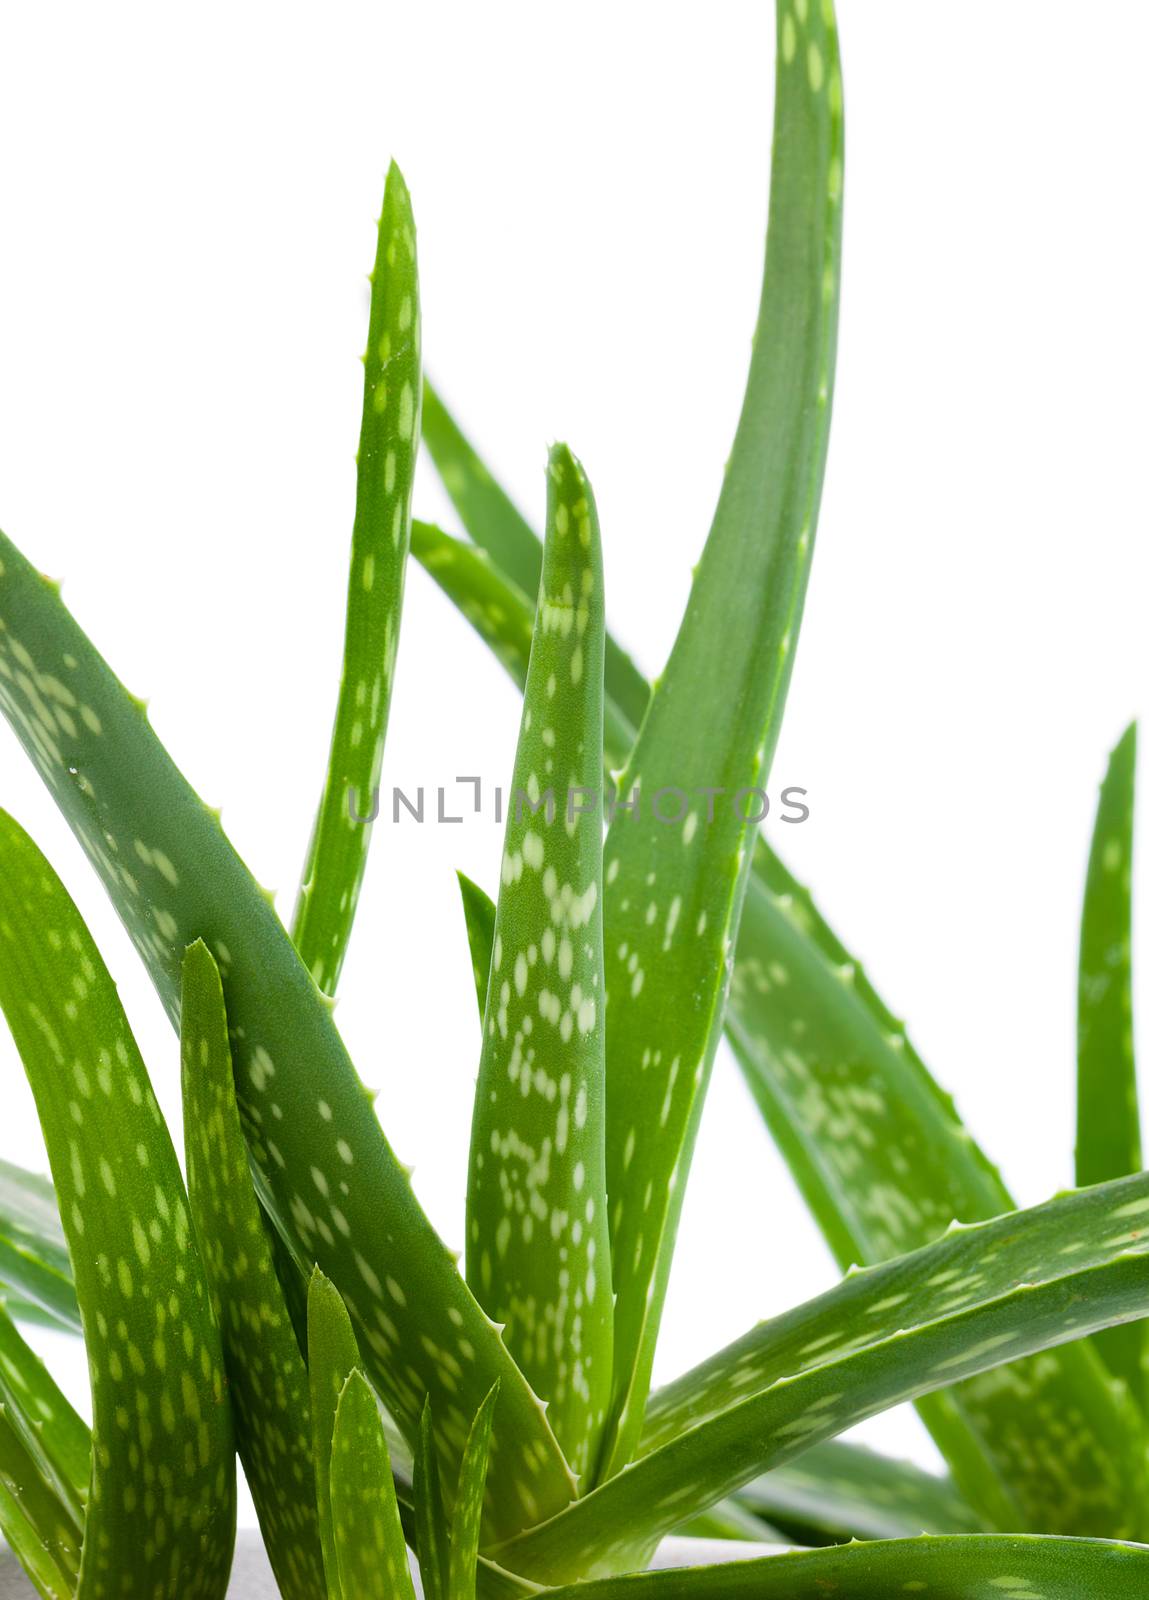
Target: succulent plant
285	1296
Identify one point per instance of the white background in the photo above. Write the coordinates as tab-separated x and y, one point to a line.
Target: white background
188	200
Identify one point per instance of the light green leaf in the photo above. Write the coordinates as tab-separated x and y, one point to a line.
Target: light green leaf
986	1568
498	528
479	910
503	618
676	879
839	1491
332	1356
267	1379
159	1393
324	1170
45	1452
822	1055
368	1533
46	1542
388	437
980	1296
1108	1115
468	1514
36	1408
33	1254
538	1249
432	1535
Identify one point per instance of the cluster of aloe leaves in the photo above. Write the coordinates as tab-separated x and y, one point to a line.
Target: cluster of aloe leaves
286	1298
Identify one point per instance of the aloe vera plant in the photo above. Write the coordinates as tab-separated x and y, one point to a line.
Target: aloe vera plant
285	1298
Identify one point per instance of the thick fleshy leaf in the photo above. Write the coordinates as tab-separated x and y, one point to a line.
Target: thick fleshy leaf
479	910
676	877
267	1379
40	1413
332	1356
44	1539
876	1147
159	1393
34	1261
497	527
368	1533
468	1514
979	1568
538	1249
388	440
325	1171
839	1491
978	1297
1108	1113
45	1454
503	618
432	1534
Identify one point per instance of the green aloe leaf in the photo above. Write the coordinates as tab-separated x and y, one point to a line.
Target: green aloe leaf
880	1155
1108	1114
33	1252
981	1296
45	1455
324	1169
538	1248
839	1491
267	1379
368	1533
159	1393
468	1513
385	475
987	1568
496	526
504	618
479	911
332	1356
57	1438
44	1538
432	1534
676	880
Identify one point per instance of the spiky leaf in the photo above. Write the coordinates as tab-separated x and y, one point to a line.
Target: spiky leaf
479	911
45	1451
1108	1113
266	1375
676	879
159	1393
978	1297
538	1250
985	1568
468	1514
325	1171
388	438
433	1536
365	1515
497	527
332	1356
880	1155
